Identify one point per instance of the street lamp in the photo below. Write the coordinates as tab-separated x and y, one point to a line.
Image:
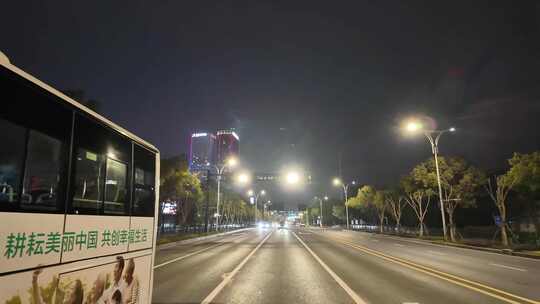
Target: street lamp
242	178
230	162
268	203
320	209
292	178
414	126
337	182
252	194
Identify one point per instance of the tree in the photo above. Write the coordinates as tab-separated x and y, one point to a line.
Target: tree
381	204
314	212
234	209
396	202
368	196
525	168
418	198
459	183
338	212
498	194
178	185
524	175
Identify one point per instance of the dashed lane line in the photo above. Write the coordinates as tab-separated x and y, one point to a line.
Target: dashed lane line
479	287
229	277
193	253
356	298
507	267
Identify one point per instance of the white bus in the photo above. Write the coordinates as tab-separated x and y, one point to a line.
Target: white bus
78	199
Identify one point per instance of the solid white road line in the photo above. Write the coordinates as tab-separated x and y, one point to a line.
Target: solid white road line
229	277
436	252
336	278
191	254
400	245
507	267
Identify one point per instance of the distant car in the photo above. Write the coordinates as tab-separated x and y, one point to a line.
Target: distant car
264	225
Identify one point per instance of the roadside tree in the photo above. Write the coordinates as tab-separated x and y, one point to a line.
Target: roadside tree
418	198
459	182
367	197
396	203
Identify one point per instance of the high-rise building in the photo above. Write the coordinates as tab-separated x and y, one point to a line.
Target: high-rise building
228	145
202	151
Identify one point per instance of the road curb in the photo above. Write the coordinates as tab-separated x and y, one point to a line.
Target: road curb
189	241
492	250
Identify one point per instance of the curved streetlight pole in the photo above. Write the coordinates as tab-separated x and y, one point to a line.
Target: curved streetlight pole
231	162
320	199
435	150
256	198
434	141
338	182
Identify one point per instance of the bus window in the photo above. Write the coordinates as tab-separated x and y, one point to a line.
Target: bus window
87	182
35	130
144	182
12	138
100	181
115	187
42	172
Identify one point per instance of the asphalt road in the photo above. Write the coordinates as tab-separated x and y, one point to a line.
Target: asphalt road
315	266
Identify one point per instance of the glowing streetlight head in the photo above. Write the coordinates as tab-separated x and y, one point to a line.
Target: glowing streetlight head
242	178
413	126
232	161
250	192
263	192
336	181
353	182
293	178
452	129
325	198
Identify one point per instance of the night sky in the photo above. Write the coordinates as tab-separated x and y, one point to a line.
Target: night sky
303	82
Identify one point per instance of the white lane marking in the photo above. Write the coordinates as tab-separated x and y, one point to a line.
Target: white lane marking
341	283
374	240
436	252
449	247
410	303
191	254
507	267
399	245
209	298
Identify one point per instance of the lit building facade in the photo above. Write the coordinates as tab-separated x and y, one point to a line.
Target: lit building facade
228	145
202	151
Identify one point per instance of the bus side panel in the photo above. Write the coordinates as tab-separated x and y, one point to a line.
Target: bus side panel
112	235
29	239
91	274
146	226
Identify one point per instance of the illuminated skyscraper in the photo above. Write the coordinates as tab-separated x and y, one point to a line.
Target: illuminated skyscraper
228	145
202	151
